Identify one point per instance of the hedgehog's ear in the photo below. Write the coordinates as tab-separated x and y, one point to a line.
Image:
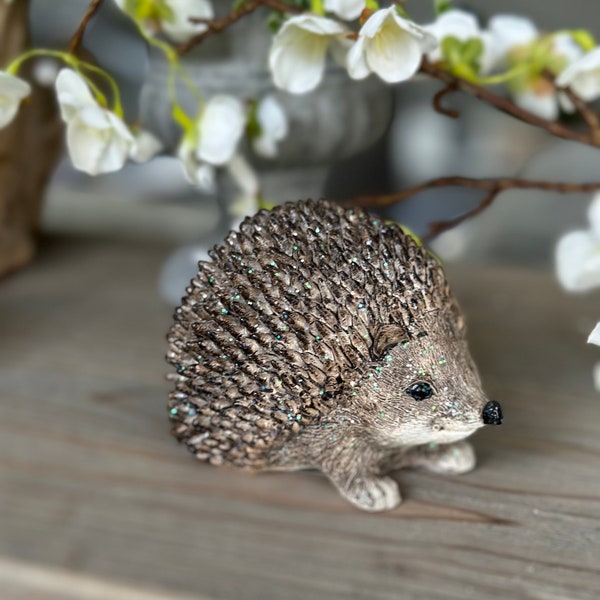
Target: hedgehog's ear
386	337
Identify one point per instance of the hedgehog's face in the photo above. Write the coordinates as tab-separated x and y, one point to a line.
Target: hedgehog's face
428	390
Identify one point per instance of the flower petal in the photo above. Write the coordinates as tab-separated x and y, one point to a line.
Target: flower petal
246	202
596	375
564	45
179	28
577	261
72	93
273	125
395	54
298	66
345	9
456	23
12	91
594	337
542	105
97	140
583	76
297	56
392	47
356	60
320	26
220	127
85	147
145	147
512	30
594	216
200	174
506	32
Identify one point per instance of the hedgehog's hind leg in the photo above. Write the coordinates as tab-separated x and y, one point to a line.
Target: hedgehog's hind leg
358	481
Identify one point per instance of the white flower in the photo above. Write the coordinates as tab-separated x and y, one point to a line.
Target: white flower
12	91
541	101
582	76
594	337
297	55
514	41
173	16
345	9
219	129
212	139
507	33
178	26
453	23
145	147
98	141
578	254
273	124
200	174
389	46
596	376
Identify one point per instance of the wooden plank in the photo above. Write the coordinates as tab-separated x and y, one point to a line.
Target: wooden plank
92	484
27	582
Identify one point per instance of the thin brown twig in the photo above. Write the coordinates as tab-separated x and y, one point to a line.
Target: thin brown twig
217	25
589	115
492	187
437	102
437	227
87	17
586	112
486	185
500	102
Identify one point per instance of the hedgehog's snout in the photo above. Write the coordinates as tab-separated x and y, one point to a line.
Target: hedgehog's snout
492	413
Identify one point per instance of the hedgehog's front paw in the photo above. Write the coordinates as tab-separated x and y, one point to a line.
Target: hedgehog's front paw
372	493
454	458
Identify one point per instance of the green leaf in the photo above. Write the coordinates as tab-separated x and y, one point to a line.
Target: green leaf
462	58
584	38
451	49
472	50
441	6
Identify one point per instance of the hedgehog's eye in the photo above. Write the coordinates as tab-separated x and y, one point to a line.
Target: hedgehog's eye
420	391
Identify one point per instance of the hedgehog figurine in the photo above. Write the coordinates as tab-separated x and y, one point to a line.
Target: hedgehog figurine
325	338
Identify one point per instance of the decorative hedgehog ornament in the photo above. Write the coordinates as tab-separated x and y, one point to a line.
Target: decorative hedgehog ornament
325	338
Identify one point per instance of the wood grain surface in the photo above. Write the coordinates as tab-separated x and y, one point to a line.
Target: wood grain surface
98	501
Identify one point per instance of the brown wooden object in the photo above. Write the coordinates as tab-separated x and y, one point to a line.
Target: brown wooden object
29	149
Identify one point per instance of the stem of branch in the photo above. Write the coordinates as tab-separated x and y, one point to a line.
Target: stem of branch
87	17
217	25
486	185
505	105
587	114
437	102
492	187
437	227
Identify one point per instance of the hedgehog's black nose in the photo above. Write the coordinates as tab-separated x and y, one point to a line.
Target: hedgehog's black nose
492	413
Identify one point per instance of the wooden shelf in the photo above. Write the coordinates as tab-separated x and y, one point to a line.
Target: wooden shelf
98	501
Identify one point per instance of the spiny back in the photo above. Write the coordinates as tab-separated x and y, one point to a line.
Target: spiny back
280	324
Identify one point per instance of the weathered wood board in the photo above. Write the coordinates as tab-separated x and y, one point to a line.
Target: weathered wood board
97	500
